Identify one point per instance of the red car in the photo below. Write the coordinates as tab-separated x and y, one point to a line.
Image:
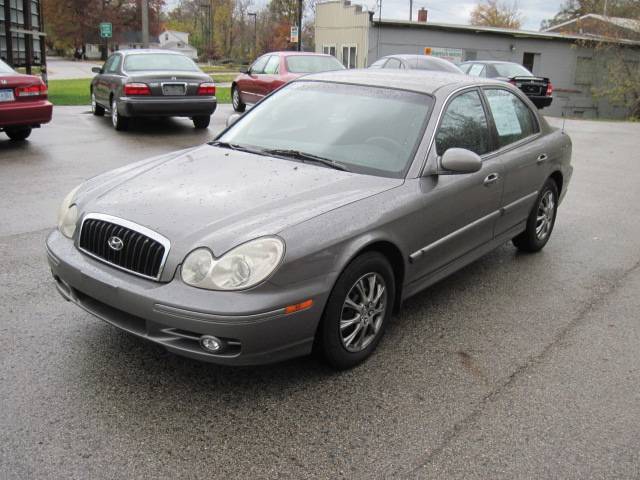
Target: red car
272	70
23	103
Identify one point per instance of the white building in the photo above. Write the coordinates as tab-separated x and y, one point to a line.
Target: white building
177	42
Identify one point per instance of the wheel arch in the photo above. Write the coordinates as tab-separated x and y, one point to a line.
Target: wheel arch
558	179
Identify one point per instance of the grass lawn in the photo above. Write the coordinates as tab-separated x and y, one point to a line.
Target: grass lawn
76	92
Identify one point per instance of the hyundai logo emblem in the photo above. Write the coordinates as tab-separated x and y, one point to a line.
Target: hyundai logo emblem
115	243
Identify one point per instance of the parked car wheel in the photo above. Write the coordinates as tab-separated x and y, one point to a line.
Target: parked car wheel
97	110
357	311
201	122
18	134
541	220
238	105
120	123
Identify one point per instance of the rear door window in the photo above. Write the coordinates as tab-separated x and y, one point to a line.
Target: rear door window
512	118
464	125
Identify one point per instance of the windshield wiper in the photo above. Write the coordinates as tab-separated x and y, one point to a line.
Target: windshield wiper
236	146
297	154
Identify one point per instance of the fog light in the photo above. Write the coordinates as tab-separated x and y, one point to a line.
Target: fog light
210	343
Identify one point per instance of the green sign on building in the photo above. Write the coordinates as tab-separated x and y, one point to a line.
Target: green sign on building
106	30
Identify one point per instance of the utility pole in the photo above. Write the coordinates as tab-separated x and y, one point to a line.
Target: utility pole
410	10
145	23
255	32
299	25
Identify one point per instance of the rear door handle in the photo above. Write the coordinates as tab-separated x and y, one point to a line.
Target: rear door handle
491	178
542	158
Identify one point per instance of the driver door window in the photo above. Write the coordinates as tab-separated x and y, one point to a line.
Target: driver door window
271	68
258	65
464	125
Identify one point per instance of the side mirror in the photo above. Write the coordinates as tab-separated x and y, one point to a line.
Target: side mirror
461	160
96	70
246	71
233	118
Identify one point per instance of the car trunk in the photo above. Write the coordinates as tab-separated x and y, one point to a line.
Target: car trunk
171	84
531	86
9	82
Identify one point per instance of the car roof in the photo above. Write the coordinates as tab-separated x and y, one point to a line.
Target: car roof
291	54
490	62
415	80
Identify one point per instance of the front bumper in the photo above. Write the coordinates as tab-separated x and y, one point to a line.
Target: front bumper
25	113
175	315
167	107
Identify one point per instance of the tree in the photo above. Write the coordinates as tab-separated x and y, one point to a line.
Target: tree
571	9
492	13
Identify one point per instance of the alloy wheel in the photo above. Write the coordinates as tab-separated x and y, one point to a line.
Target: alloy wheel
546	212
114	113
363	312
236	99
93	102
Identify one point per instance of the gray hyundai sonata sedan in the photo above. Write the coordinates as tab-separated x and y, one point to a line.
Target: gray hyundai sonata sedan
305	224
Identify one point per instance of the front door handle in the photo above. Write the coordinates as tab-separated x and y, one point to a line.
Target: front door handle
542	158
491	178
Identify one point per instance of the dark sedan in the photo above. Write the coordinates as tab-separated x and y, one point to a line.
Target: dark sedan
23	103
144	83
538	89
416	62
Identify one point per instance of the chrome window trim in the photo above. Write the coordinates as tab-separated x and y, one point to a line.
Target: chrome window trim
164	241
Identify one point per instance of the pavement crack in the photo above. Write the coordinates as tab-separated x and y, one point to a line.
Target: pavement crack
597	299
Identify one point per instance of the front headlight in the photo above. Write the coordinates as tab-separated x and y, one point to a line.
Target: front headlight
68	214
240	268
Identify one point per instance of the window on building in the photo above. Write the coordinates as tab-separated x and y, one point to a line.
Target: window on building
528	59
512	118
584	71
349	54
329	50
470	55
464	125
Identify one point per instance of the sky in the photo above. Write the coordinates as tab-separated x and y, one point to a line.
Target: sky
450	11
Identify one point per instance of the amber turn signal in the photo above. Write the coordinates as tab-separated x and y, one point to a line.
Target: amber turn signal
298	306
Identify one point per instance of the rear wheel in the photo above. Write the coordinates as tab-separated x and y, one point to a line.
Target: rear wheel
18	134
97	110
201	122
541	220
236	101
120	123
357	311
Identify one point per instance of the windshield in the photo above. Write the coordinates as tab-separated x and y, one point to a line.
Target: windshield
312	64
4	68
367	130
511	70
158	61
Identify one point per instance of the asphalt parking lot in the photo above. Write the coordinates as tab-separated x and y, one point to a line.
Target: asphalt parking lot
518	366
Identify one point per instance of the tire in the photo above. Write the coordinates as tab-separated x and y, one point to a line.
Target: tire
97	110
343	342
119	122
18	134
541	220
201	122
238	105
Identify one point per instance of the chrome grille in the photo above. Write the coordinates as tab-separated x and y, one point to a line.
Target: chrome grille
124	245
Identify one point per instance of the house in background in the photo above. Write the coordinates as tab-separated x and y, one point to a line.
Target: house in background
177	42
600	26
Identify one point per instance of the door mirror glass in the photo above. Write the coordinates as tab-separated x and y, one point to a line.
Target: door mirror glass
96	70
233	118
461	160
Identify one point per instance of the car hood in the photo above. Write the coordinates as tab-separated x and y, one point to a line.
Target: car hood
215	197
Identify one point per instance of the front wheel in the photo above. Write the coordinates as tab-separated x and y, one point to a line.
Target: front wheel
357	311
236	101
18	134
201	122
541	220
120	123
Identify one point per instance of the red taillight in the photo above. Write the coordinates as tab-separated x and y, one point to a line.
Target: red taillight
39	90
549	89
137	89
207	89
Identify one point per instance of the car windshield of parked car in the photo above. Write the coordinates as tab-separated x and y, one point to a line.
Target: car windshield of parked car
158	61
511	70
312	64
426	63
367	130
4	68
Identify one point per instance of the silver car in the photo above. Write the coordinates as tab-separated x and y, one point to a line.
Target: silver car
309	220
